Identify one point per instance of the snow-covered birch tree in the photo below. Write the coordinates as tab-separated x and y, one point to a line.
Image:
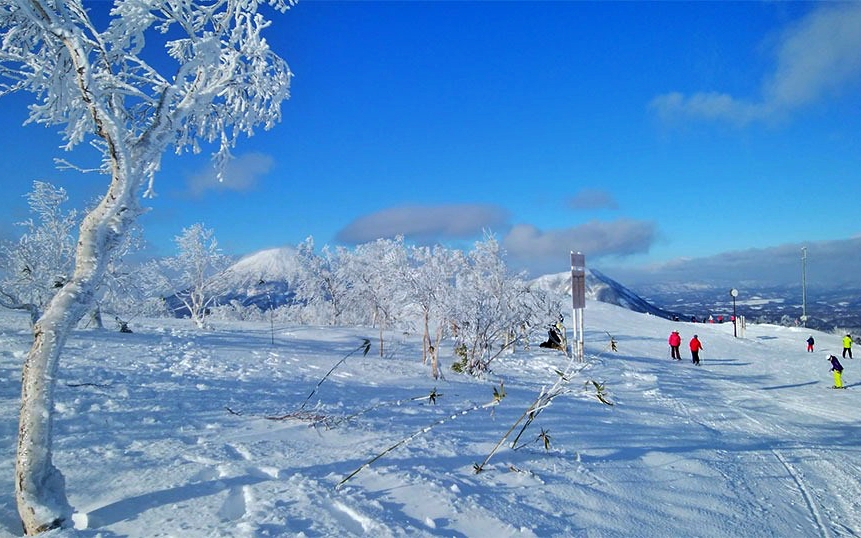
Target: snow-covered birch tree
40	262
159	74
491	304
198	261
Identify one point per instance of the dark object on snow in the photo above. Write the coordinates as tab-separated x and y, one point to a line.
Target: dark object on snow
123	325
554	340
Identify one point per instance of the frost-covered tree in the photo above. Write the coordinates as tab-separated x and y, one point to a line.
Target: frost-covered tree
492	305
429	279
199	259
147	289
375	268
153	75
36	266
324	286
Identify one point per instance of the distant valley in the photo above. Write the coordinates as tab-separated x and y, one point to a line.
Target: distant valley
827	310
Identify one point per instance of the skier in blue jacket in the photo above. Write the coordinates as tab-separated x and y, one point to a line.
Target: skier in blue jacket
837	368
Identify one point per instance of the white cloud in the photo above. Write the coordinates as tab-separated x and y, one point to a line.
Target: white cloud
240	174
822	53
547	251
818	55
425	223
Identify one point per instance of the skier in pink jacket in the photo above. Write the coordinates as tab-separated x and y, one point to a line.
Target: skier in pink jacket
675	341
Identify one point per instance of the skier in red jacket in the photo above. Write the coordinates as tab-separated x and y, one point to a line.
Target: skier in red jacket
696	347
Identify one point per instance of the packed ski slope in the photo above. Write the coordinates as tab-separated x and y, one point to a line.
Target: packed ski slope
164	432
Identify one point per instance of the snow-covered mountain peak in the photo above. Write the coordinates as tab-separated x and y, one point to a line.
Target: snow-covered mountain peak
267	265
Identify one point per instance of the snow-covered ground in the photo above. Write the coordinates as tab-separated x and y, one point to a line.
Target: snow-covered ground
164	432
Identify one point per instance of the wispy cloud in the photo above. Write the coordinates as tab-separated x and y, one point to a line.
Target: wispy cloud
827	263
818	55
241	174
708	106
545	251
592	199
425	223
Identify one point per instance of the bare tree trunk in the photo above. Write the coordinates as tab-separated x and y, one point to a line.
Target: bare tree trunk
381	340
39	485
426	337
435	355
96	317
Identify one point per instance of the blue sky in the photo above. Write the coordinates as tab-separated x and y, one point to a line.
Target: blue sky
640	133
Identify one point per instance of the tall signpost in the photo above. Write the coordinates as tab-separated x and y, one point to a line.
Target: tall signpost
578	297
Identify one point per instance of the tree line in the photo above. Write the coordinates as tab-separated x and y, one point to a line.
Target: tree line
470	297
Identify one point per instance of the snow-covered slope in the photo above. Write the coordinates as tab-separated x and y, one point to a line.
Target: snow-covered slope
171	431
264	279
277	264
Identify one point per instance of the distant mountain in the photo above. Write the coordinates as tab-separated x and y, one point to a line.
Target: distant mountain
267	265
600	287
263	279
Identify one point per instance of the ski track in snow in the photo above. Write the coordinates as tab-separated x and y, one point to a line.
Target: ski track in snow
744	423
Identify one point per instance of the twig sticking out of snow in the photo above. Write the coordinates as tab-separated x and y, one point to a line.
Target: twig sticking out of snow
498	394
542	402
431	398
98	385
299	415
365	347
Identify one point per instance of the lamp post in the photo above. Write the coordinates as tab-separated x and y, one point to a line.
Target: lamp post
804	286
734	293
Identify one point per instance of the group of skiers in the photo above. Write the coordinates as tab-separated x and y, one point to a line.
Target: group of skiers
847	345
695	346
836	367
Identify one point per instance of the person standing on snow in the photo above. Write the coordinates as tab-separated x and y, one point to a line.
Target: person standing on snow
847	346
696	347
675	341
837	368
810	344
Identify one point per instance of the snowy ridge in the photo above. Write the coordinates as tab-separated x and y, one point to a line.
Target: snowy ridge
600	287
